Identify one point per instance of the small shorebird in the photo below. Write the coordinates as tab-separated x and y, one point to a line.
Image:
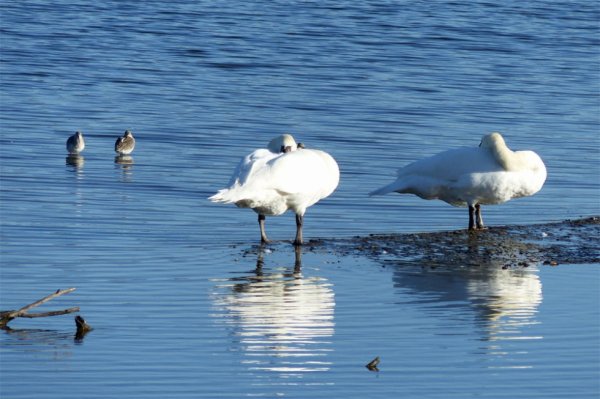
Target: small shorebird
472	176
125	145
75	143
284	176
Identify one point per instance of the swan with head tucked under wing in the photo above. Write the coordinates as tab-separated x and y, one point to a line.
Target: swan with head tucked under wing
472	176
284	176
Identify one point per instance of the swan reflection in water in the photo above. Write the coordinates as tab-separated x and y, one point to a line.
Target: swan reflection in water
506	302
281	320
501	301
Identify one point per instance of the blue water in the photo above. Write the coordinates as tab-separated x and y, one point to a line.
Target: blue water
178	309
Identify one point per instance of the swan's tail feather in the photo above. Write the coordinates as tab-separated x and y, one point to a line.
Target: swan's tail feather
222	196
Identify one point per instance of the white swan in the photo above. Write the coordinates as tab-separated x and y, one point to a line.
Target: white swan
472	176
283	176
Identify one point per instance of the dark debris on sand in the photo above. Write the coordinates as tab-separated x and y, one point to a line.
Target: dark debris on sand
566	242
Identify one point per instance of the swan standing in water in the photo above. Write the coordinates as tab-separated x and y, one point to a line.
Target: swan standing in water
284	176
75	143
472	176
125	145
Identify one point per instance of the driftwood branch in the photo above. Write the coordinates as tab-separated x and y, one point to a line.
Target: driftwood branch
7	316
53	313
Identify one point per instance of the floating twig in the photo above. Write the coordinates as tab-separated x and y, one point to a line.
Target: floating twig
7	316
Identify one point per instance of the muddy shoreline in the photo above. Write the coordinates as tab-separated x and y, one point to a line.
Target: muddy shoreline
566	242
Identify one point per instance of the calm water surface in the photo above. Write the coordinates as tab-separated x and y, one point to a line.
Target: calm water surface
182	303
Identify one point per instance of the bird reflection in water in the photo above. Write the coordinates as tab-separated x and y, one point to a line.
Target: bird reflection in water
506	302
125	162
75	163
503	300
281	320
75	160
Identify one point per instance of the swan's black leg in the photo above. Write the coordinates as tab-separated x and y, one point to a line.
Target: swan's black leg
299	221
471	217
261	224
478	218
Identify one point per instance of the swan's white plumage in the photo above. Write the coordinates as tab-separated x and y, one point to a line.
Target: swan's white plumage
271	182
488	174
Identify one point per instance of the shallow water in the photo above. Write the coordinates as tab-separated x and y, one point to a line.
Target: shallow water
266	324
169	281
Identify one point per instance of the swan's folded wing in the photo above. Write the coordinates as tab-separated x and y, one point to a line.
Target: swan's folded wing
313	172
250	165
244	175
452	164
443	169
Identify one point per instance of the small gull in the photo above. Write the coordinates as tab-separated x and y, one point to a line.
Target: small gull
75	143
125	144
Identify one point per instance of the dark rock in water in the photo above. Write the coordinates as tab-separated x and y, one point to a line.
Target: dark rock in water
82	328
372	365
567	242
